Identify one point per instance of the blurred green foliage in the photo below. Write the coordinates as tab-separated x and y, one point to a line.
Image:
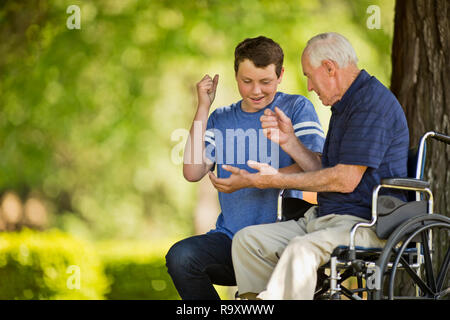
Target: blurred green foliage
55	265
135	280
87	116
136	271
50	265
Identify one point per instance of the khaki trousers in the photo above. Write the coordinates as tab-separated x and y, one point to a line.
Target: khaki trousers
280	260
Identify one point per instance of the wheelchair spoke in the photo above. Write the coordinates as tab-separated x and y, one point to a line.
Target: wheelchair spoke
443	271
422	285
443	293
428	264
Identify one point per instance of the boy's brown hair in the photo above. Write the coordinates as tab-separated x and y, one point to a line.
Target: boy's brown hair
261	51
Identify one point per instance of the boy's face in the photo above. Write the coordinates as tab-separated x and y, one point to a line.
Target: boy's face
257	86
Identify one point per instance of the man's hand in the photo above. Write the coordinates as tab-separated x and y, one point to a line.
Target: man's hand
241	178
206	90
263	168
277	127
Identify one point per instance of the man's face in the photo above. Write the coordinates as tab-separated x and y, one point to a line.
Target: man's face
321	82
257	86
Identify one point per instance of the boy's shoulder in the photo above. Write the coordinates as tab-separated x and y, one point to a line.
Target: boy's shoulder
295	100
293	104
289	96
225	109
223	114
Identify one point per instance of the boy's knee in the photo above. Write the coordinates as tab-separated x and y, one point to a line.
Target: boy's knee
180	255
171	258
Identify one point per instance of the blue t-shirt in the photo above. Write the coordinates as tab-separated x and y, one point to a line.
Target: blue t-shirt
234	136
367	127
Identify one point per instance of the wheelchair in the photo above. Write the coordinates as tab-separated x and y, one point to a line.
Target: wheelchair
409	266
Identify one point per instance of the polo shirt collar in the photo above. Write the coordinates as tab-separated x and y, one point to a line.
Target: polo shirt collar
362	77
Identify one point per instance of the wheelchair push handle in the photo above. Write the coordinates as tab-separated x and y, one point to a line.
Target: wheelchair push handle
441	137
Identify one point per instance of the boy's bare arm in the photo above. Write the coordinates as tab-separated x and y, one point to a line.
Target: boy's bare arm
195	164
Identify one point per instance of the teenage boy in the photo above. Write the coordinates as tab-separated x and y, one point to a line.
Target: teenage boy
232	135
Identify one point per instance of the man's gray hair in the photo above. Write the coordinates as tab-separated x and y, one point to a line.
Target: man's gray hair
330	46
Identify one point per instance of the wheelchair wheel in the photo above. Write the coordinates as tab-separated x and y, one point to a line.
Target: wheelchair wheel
410	267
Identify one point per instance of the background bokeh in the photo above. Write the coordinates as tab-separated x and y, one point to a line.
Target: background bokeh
90	118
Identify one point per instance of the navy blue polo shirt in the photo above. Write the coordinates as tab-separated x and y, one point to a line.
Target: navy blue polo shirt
367	127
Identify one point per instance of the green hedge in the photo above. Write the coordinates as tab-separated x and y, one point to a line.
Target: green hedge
137	271
46	265
49	265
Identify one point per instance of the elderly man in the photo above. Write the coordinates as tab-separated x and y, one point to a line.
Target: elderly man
367	140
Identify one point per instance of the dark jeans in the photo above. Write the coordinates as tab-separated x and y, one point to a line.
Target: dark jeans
197	262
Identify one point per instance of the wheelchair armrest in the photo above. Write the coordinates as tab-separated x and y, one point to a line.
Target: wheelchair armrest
441	137
395	183
406	183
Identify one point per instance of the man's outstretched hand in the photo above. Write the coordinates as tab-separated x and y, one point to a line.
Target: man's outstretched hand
241	178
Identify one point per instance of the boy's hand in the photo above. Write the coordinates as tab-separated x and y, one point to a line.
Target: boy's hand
206	90
237	180
277	127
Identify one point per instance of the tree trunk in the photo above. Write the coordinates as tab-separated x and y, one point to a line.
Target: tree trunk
421	82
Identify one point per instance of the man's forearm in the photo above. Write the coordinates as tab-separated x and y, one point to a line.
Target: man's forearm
324	180
305	158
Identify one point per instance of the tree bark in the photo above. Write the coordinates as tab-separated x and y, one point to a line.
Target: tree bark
421	82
